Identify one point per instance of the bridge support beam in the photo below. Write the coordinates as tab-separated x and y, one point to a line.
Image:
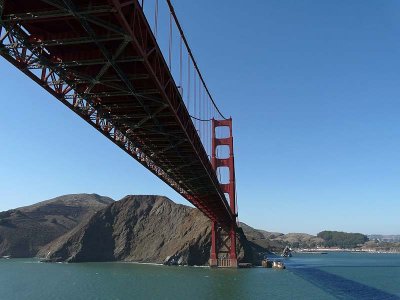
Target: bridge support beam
213	254
223	240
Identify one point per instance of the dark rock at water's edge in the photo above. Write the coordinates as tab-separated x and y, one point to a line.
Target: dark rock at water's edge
143	229
24	231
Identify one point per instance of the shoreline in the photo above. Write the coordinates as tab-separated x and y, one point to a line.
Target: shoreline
330	250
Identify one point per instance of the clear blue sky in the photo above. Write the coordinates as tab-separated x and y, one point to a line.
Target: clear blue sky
313	87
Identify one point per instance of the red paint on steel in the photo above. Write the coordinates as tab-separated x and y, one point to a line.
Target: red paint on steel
228	188
101	59
213	254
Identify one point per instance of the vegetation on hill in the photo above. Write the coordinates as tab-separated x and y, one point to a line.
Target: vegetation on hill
342	239
276	242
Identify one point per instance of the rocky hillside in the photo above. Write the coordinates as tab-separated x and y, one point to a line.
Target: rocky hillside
140	229
23	231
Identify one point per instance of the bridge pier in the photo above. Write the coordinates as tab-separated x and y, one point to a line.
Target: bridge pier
223	240
213	255
223	247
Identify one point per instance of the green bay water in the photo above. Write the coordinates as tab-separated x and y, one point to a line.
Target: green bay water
308	276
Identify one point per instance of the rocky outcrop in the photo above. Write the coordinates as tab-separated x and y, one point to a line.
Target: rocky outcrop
89	227
23	231
141	229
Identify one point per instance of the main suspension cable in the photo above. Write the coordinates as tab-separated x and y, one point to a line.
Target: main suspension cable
199	119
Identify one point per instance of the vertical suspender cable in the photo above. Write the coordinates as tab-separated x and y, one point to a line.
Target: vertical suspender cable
201	108
178	25
206	123
205	108
203	114
204	118
194	94
180	67
209	126
208	117
213	112
156	19
188	80
205	111
170	43
199	104
200	112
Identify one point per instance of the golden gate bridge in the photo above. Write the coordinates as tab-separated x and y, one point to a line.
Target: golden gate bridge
126	68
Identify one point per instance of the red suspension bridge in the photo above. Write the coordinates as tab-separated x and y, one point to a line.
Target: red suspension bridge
126	68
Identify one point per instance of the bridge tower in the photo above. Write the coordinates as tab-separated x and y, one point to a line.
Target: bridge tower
223	240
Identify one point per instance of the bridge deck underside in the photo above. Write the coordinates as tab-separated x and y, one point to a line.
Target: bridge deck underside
105	54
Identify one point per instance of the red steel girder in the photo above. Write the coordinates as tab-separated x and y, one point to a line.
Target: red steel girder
179	159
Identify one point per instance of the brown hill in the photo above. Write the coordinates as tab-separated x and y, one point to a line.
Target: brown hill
263	239
299	240
141	229
276	242
23	231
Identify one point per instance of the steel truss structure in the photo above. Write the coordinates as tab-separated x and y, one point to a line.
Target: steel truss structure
101	59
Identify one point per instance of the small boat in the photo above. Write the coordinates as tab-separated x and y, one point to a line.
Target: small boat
287	252
278	265
6	257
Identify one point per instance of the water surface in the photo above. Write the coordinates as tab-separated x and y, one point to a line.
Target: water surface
309	276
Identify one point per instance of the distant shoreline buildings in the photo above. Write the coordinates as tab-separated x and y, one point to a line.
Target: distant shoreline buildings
384	238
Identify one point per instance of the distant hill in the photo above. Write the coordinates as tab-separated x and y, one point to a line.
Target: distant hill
23	231
342	239
142	228
276	241
385	238
262	238
300	240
